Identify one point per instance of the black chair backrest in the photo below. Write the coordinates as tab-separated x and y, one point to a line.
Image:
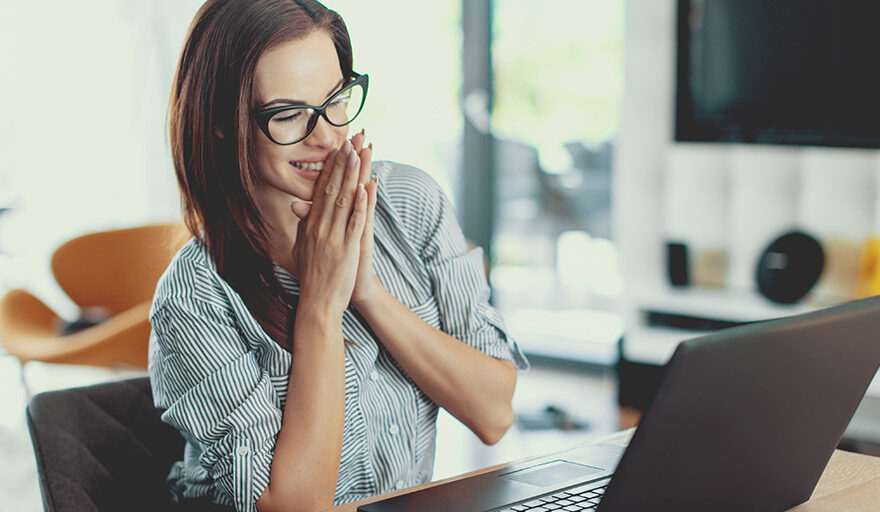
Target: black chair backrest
103	447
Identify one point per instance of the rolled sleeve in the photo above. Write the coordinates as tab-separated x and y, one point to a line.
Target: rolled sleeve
213	389
459	284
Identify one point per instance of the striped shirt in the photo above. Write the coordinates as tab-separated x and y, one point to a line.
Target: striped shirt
222	381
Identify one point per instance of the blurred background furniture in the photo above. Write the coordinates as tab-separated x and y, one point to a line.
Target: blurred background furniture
104	447
114	271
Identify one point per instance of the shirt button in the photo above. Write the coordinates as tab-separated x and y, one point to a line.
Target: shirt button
242	451
400	484
374	375
394	429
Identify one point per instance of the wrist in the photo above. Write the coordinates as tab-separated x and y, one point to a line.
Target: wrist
321	313
367	295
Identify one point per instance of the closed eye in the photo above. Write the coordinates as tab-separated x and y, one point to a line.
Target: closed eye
288	116
342	99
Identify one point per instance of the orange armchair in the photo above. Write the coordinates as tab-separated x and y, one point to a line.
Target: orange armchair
116	270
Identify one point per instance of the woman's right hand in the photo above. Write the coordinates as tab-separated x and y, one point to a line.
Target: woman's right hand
327	247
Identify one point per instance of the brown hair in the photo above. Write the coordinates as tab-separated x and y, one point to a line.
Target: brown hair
212	140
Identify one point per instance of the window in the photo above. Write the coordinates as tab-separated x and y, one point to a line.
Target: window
558	86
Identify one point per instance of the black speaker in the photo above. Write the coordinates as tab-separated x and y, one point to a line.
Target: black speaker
789	267
677	264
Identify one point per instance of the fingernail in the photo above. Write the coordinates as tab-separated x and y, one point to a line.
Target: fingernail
362	131
370	146
362	192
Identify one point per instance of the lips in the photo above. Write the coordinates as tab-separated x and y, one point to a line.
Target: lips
308	170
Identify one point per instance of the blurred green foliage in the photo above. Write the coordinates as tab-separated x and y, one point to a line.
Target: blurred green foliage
558	71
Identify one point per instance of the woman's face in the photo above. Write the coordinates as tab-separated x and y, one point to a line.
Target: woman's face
300	71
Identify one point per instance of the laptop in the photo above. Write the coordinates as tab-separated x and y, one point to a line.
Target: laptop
744	419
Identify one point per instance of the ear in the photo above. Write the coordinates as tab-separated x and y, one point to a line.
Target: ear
218	133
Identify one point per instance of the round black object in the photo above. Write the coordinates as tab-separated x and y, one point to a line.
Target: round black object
789	267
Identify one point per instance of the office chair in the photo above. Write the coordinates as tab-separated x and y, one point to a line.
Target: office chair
104	448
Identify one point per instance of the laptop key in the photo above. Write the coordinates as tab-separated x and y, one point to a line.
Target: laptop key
592	486
581	489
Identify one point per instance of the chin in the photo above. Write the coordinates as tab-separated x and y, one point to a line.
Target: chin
304	192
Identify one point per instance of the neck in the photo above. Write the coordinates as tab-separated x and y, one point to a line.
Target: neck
282	224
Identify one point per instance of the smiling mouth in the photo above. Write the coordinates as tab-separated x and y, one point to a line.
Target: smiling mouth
309	166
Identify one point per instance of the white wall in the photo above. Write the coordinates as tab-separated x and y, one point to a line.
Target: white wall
750	193
84	92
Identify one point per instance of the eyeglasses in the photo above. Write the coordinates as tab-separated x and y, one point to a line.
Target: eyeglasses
289	124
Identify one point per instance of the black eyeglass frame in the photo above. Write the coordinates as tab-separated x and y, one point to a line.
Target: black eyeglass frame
264	116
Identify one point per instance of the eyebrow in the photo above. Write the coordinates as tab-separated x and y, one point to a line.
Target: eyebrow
286	101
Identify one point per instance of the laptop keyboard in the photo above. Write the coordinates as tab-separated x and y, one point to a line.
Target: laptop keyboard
584	497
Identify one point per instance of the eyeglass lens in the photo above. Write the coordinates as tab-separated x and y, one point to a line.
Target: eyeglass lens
292	125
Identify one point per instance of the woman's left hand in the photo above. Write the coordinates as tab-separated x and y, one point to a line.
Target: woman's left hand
366	283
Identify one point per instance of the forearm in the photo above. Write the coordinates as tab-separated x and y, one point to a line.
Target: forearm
305	466
475	388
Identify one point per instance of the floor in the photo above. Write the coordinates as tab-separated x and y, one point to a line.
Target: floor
586	395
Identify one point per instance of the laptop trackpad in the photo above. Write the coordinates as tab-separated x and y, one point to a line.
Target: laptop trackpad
552	473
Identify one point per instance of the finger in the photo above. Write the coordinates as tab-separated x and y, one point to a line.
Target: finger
358	218
372	189
334	181
346	197
300	208
321	182
358	141
366	155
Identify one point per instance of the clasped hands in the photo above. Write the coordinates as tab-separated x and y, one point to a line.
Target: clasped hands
333	251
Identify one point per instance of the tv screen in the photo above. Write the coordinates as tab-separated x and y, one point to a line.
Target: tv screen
802	72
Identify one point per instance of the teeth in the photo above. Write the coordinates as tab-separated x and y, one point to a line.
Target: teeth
309	166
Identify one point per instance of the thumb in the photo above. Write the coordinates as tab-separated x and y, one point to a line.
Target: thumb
300	208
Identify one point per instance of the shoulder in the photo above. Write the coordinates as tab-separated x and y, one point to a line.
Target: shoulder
190	275
412	197
408	188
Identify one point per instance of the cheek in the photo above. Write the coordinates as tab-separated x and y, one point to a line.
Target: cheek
339	134
267	154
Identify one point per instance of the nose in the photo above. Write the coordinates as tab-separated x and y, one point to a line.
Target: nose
324	135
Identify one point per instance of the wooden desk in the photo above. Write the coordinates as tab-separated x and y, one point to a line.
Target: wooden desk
850	482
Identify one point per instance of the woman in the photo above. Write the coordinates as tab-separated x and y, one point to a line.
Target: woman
326	305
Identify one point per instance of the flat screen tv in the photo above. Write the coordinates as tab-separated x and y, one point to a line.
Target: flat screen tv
800	72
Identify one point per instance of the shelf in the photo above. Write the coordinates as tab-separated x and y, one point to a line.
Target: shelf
722	304
656	345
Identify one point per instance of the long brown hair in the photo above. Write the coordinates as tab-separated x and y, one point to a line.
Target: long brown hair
212	140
